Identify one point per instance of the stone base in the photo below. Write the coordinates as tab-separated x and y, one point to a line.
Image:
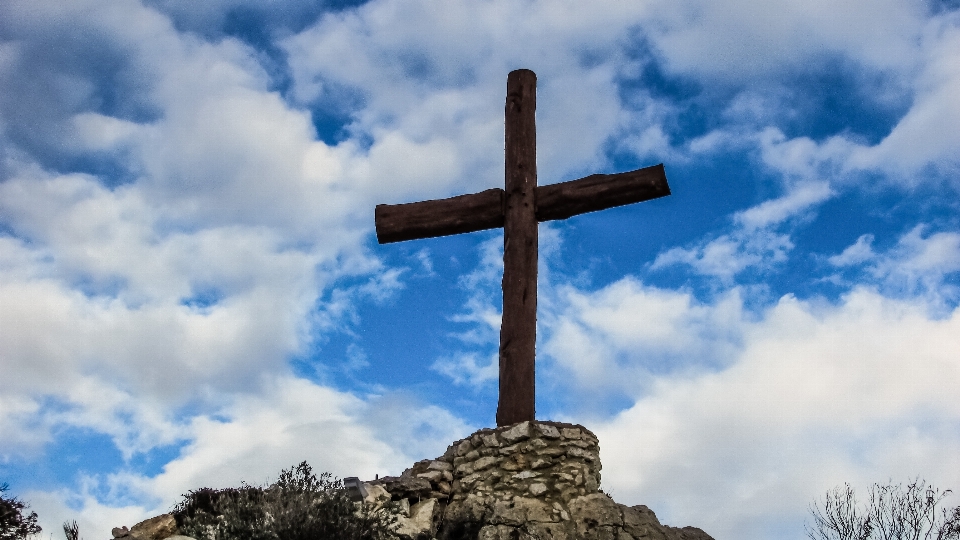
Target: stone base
532	480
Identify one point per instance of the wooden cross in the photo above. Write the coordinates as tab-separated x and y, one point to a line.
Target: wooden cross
518	209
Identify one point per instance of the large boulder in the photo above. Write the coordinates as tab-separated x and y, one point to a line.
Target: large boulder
155	528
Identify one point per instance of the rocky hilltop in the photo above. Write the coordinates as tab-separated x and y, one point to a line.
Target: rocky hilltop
528	481
533	480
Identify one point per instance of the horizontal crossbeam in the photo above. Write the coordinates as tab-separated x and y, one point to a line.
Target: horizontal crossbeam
439	217
599	192
484	210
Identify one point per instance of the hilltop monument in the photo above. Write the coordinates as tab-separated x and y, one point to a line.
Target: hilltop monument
518	209
526	479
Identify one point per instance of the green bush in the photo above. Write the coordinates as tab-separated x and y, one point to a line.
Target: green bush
14	525
299	506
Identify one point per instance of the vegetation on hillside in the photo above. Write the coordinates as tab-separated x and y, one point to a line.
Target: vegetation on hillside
298	506
14	523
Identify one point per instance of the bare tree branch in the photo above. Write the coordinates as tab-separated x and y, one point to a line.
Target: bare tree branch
893	512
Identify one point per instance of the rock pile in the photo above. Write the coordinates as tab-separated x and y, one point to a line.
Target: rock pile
528	481
533	480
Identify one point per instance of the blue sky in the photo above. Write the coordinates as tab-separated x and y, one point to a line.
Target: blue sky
191	293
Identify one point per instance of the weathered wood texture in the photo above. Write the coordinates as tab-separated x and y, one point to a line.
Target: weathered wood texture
440	217
518	328
599	192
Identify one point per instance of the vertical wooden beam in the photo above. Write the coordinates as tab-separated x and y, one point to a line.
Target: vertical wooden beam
518	330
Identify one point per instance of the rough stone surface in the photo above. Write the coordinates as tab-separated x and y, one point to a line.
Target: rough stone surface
421	520
528	481
155	528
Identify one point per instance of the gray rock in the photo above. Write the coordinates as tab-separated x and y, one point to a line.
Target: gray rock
640	522
548	431
518	432
405	487
688	533
596	516
155	528
422	521
496	532
538	489
376	494
440	465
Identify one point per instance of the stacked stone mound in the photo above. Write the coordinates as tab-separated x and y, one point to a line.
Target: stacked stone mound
533	480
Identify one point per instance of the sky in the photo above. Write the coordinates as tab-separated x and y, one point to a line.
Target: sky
192	295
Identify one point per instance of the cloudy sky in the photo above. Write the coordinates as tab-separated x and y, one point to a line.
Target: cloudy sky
191	293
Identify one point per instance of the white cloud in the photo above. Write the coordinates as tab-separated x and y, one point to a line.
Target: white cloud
438	72
727	255
468	369
426	262
776	211
918	264
619	336
860	251
94	517
94	131
921	146
291	421
816	395
924	136
477	364
802	158
734	41
483	288
754	242
186	283
15	412
99	272
231	199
